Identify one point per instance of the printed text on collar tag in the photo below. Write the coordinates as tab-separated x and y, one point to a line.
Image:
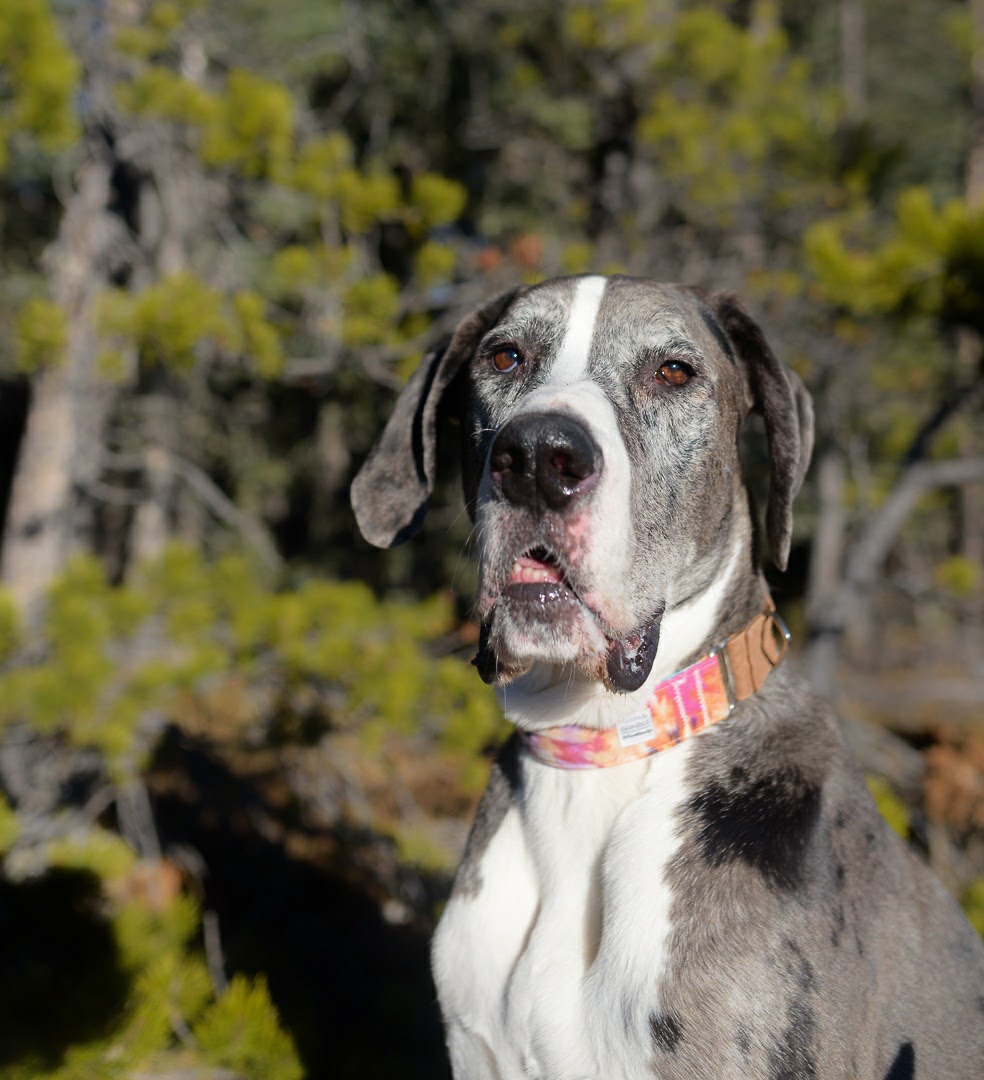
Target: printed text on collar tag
635	729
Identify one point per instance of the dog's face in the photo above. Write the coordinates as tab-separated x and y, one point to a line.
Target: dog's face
601	421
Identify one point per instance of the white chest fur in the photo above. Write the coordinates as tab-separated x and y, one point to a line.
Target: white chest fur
553	969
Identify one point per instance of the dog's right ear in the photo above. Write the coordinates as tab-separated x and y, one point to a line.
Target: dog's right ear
782	399
389	494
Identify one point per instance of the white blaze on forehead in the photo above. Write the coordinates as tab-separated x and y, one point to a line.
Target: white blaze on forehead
572	357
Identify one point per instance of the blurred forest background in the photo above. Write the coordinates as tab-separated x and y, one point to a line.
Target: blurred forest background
238	748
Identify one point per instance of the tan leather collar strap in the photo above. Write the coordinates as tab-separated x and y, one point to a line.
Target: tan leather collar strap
753	652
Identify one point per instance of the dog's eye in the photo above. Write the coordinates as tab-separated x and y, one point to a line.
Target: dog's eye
506	359
674	373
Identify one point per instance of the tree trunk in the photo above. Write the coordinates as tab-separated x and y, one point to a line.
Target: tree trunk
49	514
969	345
826	568
852	49
975	158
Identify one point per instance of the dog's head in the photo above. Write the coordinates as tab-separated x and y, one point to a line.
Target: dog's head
600	460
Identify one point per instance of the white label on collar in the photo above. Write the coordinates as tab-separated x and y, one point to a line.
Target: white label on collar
635	729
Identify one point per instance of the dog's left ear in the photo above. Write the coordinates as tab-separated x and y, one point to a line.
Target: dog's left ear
389	494
785	404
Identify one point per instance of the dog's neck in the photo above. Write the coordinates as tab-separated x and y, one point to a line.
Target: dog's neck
550	695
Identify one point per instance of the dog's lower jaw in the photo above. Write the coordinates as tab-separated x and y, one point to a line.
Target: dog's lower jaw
492	668
520	630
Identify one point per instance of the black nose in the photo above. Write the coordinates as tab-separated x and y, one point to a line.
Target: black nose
544	458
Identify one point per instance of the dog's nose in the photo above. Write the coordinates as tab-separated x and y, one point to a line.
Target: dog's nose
544	457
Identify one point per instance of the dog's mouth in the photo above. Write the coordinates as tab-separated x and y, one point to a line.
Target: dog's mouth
539	578
539	590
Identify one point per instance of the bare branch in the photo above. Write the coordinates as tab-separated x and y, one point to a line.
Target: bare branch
213	951
877	539
226	510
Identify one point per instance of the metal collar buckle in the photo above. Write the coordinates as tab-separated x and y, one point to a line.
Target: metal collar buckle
778	624
720	651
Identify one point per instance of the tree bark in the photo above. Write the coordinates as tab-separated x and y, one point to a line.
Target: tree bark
852	47
48	515
975	158
970	348
826	562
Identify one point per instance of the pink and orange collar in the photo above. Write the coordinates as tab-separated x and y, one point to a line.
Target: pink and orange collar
683	704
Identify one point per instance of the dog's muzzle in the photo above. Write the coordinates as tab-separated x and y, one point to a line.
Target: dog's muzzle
544	462
544	465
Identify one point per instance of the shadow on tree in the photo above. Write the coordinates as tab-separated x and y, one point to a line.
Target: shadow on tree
62	978
354	991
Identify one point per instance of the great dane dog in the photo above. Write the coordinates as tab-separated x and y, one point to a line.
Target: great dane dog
676	870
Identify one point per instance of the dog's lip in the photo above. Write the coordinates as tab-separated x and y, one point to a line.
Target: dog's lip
541	578
631	656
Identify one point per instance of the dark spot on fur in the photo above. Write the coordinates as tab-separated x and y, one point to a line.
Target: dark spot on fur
841	819
980	1003
798	968
665	1032
792	1058
904	1065
839	874
738	775
839	923
498	797
767	824
743	1042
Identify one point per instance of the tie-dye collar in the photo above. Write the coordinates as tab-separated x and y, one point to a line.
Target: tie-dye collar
681	705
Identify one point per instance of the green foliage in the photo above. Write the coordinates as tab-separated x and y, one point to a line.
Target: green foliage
208	621
171	1018
40	336
735	114
928	261
10	630
9	826
366	198
107	855
240	1032
251	128
890	806
434	201
248	125
973	904
959	575
181	319
154	33
371	307
434	262
416	847
259	337
159	92
38	78
319	163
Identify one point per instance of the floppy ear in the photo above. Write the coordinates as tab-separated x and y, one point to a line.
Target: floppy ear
389	494
785	404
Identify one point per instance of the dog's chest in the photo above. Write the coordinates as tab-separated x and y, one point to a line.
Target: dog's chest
553	965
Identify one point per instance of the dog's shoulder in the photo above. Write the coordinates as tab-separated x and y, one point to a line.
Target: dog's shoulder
499	796
786	854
